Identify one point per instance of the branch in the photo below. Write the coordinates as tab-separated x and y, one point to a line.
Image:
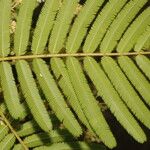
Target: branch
73	55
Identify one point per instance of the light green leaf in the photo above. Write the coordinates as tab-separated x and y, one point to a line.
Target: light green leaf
130	37
23	26
60	71
72	146
79	28
44	26
32	96
144	63
101	24
126	91
119	25
61	25
88	102
112	99
136	77
5	15
143	42
10	92
55	98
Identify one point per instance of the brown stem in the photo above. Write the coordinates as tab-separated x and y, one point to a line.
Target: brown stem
73	55
12	130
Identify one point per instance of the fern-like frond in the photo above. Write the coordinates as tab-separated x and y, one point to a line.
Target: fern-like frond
61	25
43	138
72	146
101	24
144	63
143	41
44	26
126	91
28	128
112	99
55	98
88	102
3	131
3	108
5	10
136	77
18	147
23	26
24	109
60	71
10	92
31	127
32	96
81	23
130	37
119	25
8	142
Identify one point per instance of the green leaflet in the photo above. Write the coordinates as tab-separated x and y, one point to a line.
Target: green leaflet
55	99
119	25
5	11
32	96
28	128
143	41
3	131
60	71
61	25
18	147
23	26
79	28
136	77
126	91
88	102
54	136
31	127
144	63
112	99
72	146
11	96
44	26
7	142
3	108
101	24
130	37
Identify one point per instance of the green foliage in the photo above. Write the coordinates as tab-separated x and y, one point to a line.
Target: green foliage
44	26
32	96
60	70
101	24
143	41
3	131
136	77
143	62
28	128
5	10
61	25
79	29
55	136
119	25
126	91
8	142
55	99
112	99
51	94
72	146
23	26
134	31
10	92
88	102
